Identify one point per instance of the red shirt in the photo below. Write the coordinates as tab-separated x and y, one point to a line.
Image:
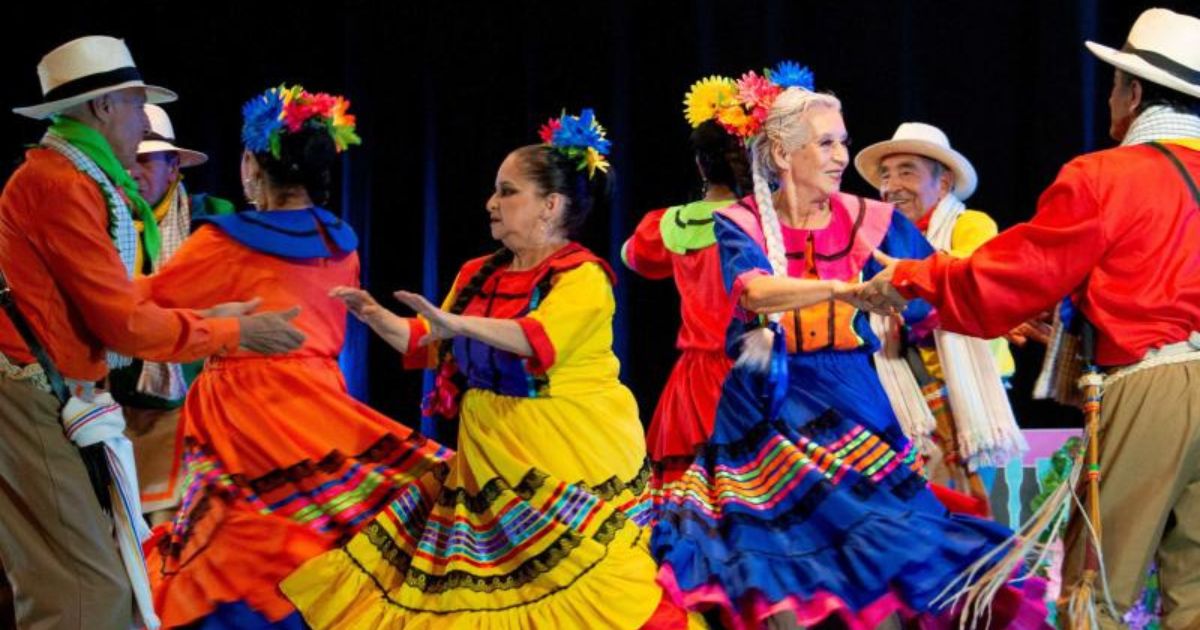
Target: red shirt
705	307
1118	230
70	284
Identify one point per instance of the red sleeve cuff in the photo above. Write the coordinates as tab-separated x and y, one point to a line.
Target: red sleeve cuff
739	288
907	276
543	349
416	357
644	266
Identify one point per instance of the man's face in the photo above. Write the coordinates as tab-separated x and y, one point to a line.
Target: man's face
908	181
123	122
1122	105
155	172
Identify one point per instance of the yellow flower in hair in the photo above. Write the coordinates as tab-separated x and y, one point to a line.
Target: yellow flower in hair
707	97
594	161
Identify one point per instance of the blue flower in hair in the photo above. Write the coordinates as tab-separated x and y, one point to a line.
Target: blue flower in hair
581	132
788	74
261	119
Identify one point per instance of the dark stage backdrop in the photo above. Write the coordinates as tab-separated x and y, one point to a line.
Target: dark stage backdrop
444	90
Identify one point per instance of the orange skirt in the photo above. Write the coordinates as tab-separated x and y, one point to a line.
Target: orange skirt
280	464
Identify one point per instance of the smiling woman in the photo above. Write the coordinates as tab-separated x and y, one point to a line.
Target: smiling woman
808	502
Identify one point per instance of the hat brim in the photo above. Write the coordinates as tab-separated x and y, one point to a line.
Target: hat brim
1142	69
154	94
187	157
867	162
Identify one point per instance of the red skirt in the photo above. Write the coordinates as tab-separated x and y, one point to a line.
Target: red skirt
683	420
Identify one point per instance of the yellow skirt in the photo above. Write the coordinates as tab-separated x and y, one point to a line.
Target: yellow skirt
541	524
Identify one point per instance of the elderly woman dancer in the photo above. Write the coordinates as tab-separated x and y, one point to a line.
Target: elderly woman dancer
542	521
806	500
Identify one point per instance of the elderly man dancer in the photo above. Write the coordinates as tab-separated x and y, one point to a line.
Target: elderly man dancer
929	181
1118	231
151	393
66	245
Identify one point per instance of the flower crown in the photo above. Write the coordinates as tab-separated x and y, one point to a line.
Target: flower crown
285	109
741	106
580	138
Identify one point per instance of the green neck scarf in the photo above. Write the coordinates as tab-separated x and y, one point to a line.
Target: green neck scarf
95	146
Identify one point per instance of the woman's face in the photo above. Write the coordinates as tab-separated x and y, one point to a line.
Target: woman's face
815	168
521	215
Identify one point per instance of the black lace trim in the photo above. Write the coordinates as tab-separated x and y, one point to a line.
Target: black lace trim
523	574
533	480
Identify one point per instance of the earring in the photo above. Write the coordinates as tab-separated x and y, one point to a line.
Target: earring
250	188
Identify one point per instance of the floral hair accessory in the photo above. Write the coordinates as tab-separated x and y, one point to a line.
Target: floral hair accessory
580	138
707	98
284	109
758	92
788	74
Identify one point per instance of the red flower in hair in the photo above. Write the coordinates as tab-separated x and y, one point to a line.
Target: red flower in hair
546	133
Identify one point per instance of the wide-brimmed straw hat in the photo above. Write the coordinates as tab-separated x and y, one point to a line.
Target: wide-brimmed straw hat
924	140
161	137
85	68
1163	47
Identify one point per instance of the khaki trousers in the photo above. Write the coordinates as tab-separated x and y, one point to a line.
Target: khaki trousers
56	544
1149	495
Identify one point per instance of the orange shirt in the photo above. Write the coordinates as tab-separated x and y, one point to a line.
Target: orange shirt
70	284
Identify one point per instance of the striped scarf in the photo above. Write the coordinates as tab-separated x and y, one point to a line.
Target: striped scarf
173	214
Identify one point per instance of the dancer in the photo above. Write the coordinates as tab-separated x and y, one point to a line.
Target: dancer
679	243
806	501
67	249
541	523
280	462
1118	231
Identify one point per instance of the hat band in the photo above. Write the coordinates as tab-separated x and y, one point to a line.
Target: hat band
90	82
1164	63
150	135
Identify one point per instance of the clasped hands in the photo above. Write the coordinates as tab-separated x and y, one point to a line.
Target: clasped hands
876	295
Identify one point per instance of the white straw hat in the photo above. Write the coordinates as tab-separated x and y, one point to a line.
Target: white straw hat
924	140
85	68
162	138
1163	47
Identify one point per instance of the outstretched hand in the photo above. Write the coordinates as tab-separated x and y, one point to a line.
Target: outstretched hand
358	302
442	324
271	332
1039	329
877	294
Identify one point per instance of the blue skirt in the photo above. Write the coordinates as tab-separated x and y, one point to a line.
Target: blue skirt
818	509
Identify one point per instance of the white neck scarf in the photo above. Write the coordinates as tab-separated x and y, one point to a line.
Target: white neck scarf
988	434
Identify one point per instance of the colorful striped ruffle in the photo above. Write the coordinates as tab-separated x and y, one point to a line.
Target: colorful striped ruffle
234	539
817	518
537	551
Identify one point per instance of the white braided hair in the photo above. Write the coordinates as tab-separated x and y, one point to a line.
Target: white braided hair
787	126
